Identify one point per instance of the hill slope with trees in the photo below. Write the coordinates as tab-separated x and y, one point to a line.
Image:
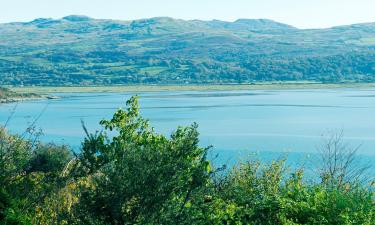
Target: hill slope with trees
78	50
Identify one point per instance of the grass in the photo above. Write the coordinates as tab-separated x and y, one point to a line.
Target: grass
368	41
153	70
157	88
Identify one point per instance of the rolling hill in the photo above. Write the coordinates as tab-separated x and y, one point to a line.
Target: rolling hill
78	50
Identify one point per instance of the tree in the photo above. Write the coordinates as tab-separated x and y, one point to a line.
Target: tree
139	176
30	172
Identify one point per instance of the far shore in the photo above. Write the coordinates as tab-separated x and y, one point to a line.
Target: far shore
45	90
21	99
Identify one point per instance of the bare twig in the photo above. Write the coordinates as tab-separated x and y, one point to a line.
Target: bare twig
339	162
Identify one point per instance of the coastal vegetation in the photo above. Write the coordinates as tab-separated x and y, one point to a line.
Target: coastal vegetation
81	51
7	95
129	174
45	90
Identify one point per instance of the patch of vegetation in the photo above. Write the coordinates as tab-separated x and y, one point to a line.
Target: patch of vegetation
149	88
129	174
7	95
71	52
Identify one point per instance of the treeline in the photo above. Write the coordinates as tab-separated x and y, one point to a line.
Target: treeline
129	174
111	68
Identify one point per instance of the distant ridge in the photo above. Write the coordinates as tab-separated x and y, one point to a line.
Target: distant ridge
79	50
77	18
254	22
263	24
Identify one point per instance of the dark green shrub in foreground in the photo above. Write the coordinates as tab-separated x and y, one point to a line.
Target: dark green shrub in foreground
9	212
26	180
129	174
262	196
140	176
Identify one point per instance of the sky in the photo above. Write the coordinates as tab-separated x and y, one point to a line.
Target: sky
299	13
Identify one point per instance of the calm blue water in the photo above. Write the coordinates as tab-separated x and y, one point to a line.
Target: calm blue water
236	123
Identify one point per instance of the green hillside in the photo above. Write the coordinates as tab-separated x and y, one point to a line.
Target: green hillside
77	50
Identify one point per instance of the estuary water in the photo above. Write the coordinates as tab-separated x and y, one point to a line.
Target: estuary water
236	123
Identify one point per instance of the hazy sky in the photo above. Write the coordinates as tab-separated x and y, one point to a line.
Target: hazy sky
300	13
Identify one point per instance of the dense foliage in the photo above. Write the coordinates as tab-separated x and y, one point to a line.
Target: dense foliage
129	174
78	50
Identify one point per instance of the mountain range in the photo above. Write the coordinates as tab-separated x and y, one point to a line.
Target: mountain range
78	50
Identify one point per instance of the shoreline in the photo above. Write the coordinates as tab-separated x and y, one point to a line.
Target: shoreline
9	96
21	99
46	90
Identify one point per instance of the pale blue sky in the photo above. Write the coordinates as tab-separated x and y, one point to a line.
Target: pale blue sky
300	13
